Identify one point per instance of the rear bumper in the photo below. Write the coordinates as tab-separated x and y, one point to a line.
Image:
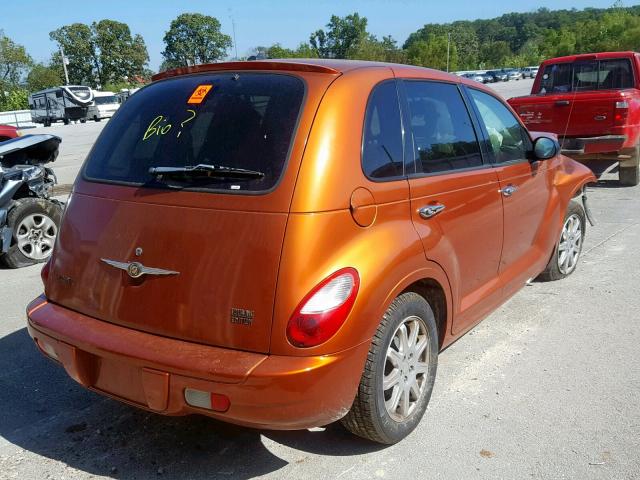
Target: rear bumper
609	146
152	372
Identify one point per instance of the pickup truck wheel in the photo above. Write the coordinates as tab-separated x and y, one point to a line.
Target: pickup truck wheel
34	223
630	176
566	253
399	373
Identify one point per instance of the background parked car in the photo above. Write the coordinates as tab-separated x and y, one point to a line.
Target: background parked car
29	218
592	102
476	77
514	74
498	76
8	132
486	78
529	72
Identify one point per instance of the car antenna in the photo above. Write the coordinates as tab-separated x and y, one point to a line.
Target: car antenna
573	101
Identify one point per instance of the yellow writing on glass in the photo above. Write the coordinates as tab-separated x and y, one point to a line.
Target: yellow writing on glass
159	126
155	128
182	123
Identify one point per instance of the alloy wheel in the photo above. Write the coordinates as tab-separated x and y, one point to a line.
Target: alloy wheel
570	244
36	235
406	368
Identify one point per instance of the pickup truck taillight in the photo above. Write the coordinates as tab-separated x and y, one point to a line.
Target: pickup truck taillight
620	115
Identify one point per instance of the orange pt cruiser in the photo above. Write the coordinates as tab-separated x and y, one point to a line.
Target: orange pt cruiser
283	244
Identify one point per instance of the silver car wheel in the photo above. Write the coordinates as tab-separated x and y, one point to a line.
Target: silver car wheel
36	235
406	368
570	244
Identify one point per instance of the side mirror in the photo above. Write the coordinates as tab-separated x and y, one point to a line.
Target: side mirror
545	148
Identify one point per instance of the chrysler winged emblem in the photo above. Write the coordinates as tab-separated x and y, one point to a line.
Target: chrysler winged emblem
136	269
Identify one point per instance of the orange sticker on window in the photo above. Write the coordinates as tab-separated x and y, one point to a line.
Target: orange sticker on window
199	93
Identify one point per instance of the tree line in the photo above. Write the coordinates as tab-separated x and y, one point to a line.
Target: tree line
107	55
511	40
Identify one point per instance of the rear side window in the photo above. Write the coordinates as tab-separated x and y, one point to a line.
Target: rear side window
587	75
382	155
238	121
615	74
507	138
443	135
556	78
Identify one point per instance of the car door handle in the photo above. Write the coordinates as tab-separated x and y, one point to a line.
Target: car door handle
562	103
599	118
430	210
509	190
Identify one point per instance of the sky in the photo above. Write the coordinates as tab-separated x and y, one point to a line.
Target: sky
257	22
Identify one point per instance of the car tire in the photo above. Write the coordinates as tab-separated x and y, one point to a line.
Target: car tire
382	415
564	260
29	214
630	176
65	121
96	118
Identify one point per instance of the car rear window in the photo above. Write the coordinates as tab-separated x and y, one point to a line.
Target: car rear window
234	120
587	75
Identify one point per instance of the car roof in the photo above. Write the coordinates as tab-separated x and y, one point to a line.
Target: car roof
322	65
590	56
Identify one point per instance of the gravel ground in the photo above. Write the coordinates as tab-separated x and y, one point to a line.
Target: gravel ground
546	387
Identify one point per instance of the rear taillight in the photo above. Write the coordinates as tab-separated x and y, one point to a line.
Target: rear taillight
323	311
621	112
44	273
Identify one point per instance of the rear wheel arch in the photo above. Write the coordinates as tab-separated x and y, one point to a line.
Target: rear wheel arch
432	283
435	295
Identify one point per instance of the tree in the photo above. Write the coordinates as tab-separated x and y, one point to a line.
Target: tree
276	50
342	38
494	54
385	50
42	76
194	38
102	53
530	51
433	53
15	99
122	56
14	61
80	49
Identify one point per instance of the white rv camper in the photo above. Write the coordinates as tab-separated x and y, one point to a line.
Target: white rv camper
66	104
104	105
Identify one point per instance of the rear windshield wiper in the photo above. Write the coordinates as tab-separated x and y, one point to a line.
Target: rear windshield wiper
205	170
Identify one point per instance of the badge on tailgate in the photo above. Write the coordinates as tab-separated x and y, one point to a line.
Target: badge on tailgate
136	269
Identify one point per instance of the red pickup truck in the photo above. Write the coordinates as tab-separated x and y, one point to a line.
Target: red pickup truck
592	102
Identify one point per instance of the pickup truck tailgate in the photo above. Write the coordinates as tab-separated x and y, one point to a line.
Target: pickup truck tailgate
577	114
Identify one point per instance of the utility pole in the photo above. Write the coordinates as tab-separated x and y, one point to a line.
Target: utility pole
65	62
235	44
233	27
448	44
